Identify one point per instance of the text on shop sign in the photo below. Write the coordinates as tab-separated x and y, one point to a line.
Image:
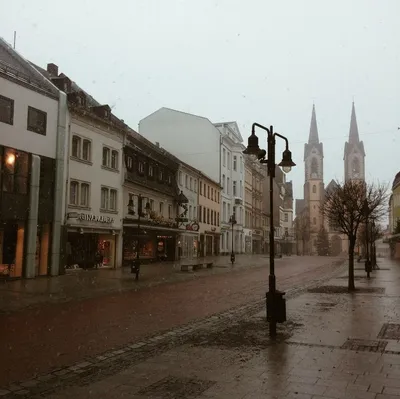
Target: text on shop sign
94	218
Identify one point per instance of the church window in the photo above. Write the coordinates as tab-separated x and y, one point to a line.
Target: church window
314	188
314	167
356	167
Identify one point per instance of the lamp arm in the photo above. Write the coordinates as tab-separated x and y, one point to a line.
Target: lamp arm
253	128
284	138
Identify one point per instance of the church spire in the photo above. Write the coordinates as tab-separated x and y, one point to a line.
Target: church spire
313	137
353	133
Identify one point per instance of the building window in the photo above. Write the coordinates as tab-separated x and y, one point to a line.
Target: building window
314	188
235	162
15	171
223	157
141	167
223	183
217	218
229	160
86	150
170	211
114	159
204	215
186	181
218	197
169	179
241	164
37	121
195	186
151	171
191	184
201	188
151	203
286	217
108	199
208	216
212	217
76	146
228	190
129	162
161	209
180	179
200	219
84	197
190	212
79	193
212	194
6	110
106	157
160	175
234	188
194	212
208	192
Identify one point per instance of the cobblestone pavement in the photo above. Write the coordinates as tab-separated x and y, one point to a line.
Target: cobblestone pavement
54	337
335	345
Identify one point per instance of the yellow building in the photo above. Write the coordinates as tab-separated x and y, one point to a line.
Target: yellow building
209	217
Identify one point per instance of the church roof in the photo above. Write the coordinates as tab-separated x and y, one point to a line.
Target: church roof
331	186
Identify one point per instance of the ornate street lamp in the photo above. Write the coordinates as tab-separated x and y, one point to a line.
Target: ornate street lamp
232	221
276	306
135	267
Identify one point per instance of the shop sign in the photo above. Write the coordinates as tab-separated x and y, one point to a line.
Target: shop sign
95	218
193	226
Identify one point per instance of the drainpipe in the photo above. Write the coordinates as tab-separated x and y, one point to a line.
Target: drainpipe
59	185
30	265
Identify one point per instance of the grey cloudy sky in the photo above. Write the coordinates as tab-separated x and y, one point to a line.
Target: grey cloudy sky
260	60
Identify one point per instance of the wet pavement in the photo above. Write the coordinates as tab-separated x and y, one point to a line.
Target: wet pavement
334	345
36	341
82	284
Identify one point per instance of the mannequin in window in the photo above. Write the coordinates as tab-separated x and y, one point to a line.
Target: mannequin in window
314	168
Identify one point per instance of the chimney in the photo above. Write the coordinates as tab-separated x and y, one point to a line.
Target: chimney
157	144
52	69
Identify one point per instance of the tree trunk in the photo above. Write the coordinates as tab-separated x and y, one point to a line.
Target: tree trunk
352	244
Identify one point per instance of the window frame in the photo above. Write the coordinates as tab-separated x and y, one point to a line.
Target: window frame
79	183
32	128
11	121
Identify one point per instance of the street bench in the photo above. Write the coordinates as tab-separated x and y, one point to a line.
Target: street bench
192	266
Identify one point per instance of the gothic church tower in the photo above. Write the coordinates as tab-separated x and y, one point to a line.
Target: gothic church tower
354	154
314	181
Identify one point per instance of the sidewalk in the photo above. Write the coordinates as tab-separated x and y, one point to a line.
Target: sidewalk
81	284
334	345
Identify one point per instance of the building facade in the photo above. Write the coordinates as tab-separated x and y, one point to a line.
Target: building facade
151	174
93	212
33	116
209	216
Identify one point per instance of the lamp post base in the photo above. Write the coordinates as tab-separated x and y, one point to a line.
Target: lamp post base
276	310
233	258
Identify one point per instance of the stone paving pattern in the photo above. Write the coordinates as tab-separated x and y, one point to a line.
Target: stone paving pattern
41	339
324	351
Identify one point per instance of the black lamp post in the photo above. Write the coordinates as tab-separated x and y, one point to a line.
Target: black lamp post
232	221
276	307
135	267
367	260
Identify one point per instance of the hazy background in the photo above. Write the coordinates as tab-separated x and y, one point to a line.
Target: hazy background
259	60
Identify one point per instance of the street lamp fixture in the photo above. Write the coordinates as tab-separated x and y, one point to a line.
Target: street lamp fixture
232	221
135	267
276	306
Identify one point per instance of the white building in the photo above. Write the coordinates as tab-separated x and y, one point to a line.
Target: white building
201	144
33	116
94	199
233	179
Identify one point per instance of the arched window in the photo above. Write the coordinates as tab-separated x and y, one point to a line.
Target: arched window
314	167
314	188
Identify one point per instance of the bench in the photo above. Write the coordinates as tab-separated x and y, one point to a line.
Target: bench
190	267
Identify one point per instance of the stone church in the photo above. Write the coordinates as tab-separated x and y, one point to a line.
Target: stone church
309	220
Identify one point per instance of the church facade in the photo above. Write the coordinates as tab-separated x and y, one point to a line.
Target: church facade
309	220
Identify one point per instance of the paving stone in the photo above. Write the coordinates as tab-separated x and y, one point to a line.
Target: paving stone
21	392
4	392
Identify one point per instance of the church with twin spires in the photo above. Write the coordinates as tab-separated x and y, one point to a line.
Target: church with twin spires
309	220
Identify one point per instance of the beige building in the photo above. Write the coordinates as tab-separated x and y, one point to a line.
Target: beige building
209	205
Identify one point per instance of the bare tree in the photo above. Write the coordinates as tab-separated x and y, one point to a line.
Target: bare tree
349	205
302	229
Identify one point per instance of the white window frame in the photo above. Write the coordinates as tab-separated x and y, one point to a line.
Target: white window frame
78	202
108	205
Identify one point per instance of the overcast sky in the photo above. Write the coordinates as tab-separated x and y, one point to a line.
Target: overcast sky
250	61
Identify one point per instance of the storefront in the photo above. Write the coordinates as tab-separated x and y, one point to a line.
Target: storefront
156	244
188	241
92	241
210	242
256	241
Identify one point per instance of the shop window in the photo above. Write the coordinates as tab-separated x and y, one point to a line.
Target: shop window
15	171
6	110
114	159
37	121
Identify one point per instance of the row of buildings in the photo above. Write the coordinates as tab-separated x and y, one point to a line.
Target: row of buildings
78	184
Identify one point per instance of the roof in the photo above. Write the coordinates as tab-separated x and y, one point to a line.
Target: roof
354	139
15	65
313	138
331	186
396	181
233	126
